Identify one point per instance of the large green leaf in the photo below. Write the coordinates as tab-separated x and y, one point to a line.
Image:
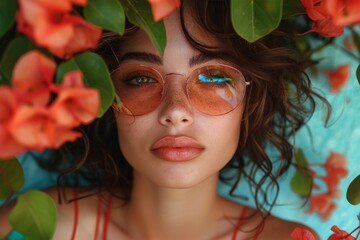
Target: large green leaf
353	191
11	178
96	75
301	182
13	52
139	13
107	14
7	15
34	215
253	19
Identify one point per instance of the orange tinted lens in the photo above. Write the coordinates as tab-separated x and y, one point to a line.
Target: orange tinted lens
139	88
216	90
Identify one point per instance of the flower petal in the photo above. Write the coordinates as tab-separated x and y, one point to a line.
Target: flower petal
338	78
86	36
32	78
30	127
8	146
75	105
344	12
162	8
302	234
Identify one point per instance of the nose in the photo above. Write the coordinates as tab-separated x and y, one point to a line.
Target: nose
175	109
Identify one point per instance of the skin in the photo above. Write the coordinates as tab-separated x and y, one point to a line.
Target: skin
172	200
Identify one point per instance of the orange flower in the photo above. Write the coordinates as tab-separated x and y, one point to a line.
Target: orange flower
327	28
315	9
344	12
32	78
302	234
322	20
340	234
49	24
75	104
36	129
162	8
85	36
338	78
8	146
322	204
335	167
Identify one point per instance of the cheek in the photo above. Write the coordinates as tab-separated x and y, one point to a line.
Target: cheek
131	135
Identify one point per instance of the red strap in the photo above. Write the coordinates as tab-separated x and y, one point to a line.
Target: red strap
76	214
259	229
107	218
98	216
238	225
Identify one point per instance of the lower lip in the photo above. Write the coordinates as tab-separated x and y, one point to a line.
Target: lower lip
178	154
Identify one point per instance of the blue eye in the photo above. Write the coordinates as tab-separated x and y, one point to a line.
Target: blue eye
213	78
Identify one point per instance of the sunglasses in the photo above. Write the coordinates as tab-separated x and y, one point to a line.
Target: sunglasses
212	89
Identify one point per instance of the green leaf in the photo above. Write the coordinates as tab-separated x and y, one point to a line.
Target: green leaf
13	52
34	215
7	15
106	14
356	38
65	67
358	73
353	191
139	13
11	178
253	19
301	182
96	75
292	8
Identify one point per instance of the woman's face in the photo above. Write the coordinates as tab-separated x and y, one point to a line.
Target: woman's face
175	145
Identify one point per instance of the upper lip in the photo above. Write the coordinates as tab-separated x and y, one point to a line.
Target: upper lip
176	142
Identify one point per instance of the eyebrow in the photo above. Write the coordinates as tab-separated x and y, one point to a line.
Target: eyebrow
155	59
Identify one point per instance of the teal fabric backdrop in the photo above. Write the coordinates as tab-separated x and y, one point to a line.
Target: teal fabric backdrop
342	135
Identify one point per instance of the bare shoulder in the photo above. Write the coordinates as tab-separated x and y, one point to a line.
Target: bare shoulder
282	229
72	213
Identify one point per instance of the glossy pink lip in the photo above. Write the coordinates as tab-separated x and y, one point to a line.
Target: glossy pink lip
177	148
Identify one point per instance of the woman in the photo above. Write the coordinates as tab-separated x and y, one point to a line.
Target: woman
213	101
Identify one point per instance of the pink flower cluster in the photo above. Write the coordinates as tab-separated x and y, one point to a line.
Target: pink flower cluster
29	119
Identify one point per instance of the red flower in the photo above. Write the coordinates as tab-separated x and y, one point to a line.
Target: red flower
32	78
335	167
322	204
8	146
315	9
35	128
162	8
49	24
85	36
322	20
75	104
344	12
340	234
302	234
327	28
338	78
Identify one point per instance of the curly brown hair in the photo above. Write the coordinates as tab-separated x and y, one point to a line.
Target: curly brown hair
279	101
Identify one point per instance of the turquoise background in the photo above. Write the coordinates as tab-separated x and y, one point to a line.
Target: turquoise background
341	135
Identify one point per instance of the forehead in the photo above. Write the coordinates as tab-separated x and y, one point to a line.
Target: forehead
177	46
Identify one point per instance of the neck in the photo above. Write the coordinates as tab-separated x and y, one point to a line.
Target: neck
162	213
